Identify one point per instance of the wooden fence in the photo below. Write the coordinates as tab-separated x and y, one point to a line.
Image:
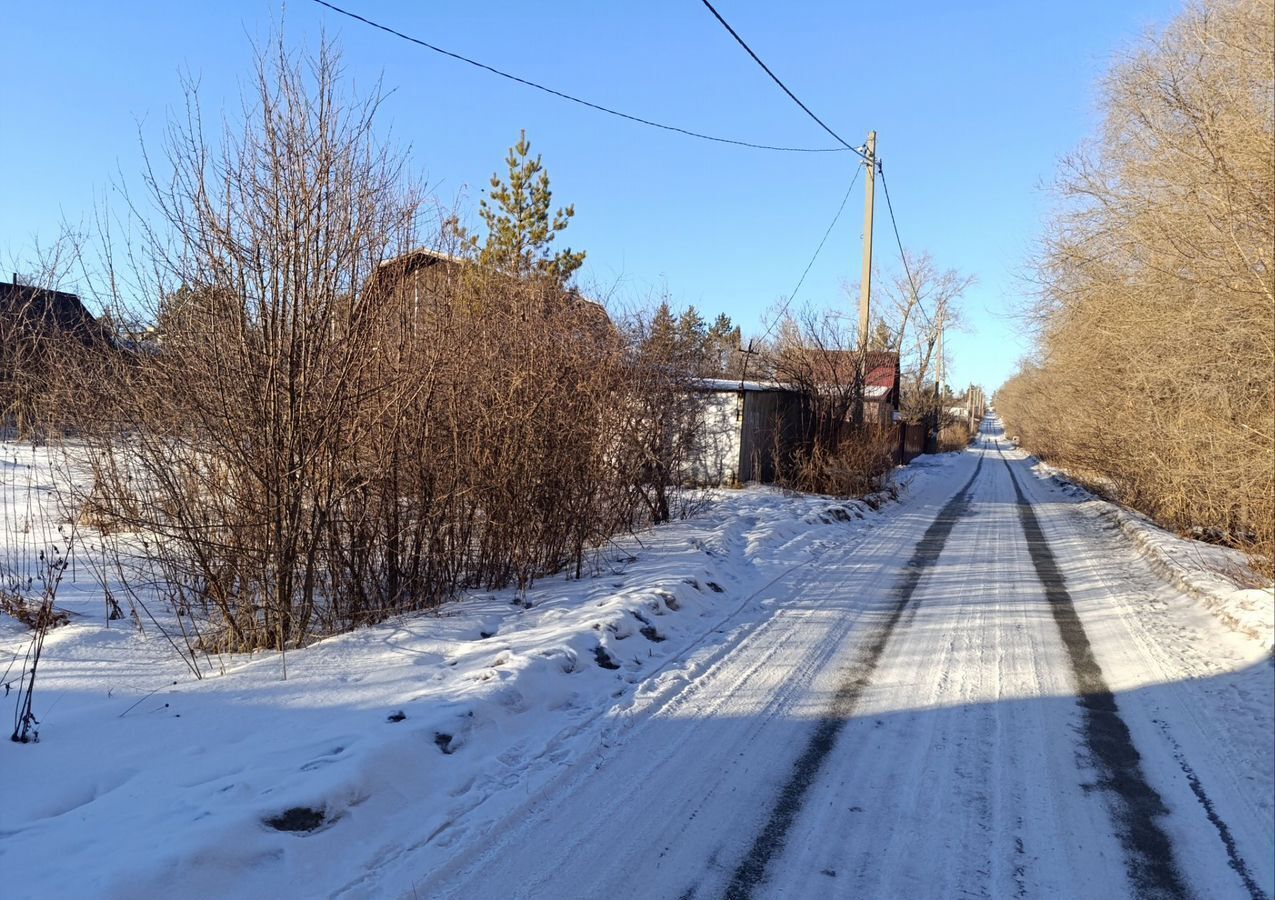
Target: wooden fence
913	439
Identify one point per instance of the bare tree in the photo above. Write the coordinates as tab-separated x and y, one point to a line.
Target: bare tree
917	309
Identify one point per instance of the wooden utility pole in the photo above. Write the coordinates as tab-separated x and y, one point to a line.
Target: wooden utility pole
865	285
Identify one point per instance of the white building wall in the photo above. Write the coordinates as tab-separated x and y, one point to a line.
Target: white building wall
717	458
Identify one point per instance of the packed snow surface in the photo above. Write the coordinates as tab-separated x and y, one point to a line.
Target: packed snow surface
783	696
1218	577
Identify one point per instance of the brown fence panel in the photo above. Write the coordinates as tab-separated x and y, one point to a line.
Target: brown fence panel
911	441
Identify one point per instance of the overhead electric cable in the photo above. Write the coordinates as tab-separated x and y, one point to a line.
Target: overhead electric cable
775	78
802	280
895	225
565	96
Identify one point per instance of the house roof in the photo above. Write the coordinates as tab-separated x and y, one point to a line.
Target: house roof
727	385
419	258
52	310
881	368
407	264
393	270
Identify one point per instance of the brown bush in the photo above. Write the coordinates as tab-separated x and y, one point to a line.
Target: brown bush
327	425
811	357
1155	371
954	436
858	466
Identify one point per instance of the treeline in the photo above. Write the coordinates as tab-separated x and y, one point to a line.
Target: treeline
1155	362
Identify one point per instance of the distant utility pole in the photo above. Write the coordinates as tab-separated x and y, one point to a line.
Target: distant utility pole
865	285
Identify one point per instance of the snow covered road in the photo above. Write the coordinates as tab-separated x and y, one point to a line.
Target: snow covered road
992	696
983	689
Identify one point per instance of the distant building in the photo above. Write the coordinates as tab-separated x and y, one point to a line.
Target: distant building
751	428
33	322
836	370
416	267
424	270
881	382
25	309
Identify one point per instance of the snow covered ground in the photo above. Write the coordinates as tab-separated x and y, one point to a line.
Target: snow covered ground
1218	577
784	696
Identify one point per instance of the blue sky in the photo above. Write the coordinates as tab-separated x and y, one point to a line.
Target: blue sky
973	104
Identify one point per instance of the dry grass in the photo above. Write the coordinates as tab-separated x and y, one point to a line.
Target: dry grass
31	613
955	436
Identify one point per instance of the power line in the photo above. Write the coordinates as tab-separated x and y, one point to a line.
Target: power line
775	78
574	99
903	256
833	224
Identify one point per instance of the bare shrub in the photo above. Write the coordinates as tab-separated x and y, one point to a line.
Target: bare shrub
954	436
25	367
857	467
811	356
1155	368
328	424
40	616
43	332
662	445
225	440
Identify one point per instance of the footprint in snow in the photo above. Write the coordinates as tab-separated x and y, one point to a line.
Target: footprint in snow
330	757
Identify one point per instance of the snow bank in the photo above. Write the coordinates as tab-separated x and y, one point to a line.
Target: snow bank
1219	578
380	744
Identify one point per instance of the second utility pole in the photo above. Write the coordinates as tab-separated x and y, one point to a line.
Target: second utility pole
865	285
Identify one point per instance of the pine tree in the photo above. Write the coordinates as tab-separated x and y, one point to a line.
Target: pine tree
722	328
520	226
881	337
724	339
692	339
661	339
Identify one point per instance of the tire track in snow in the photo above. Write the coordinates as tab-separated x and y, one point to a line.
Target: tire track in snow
1179	661
1149	856
770	840
1224	832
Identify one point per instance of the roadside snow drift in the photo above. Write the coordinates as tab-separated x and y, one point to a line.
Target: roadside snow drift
1217	577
